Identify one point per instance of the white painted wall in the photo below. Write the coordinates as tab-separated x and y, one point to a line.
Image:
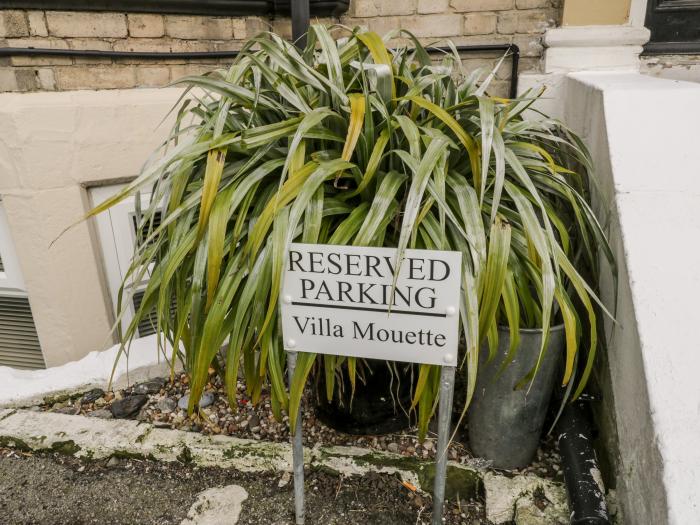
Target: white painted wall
53	146
643	135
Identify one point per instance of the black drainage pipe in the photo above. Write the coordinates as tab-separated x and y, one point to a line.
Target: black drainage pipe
300	22
132	55
510	49
583	479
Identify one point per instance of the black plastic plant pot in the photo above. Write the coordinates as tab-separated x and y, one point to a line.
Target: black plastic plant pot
504	422
373	411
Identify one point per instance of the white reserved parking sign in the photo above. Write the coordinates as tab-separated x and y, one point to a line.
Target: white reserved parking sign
338	300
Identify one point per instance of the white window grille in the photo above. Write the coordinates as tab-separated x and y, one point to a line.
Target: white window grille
19	342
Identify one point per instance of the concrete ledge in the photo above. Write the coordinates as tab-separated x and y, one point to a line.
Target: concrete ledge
595	36
642	134
95	438
592	48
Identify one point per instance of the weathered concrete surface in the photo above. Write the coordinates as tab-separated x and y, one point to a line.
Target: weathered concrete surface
652	361
507	499
217	506
527	500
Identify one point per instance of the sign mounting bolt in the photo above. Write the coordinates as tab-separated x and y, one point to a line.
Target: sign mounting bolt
287	299
447	358
450	311
291	343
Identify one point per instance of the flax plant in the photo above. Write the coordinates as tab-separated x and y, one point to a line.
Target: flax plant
351	142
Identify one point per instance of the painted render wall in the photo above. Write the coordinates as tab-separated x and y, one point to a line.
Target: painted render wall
53	146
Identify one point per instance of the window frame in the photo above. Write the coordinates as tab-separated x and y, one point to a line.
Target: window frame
661	15
11	280
117	238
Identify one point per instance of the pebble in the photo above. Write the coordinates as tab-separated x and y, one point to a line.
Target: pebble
113	462
284	479
149	387
92	395
254	423
206	400
393	447
71	410
128	406
167	405
144	415
102	413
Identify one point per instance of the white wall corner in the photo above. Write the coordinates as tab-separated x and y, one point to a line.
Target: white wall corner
593	48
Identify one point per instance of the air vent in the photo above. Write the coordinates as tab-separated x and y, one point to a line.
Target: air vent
19	343
148	323
150	227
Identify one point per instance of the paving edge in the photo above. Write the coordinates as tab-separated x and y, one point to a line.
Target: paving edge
94	438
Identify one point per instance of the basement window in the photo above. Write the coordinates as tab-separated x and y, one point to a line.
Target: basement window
191	7
19	341
118	234
674	26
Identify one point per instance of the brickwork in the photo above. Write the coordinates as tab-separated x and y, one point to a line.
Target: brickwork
463	21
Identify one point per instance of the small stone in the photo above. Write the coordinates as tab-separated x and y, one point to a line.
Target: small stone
113	462
206	400
101	413
167	405
149	387
128	406
119	394
92	395
70	410
392	447
253	422
100	402
143	415
284	479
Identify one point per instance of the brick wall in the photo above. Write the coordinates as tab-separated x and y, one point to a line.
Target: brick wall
463	21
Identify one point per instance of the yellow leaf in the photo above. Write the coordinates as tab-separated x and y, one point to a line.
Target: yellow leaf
357	116
212	176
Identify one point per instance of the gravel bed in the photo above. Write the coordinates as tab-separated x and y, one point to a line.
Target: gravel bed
156	401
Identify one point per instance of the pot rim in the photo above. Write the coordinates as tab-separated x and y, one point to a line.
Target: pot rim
554	328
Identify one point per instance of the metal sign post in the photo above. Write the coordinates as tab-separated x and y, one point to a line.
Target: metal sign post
355	301
297	451
447	383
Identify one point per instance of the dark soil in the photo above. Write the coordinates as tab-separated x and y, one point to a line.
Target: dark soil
53	489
